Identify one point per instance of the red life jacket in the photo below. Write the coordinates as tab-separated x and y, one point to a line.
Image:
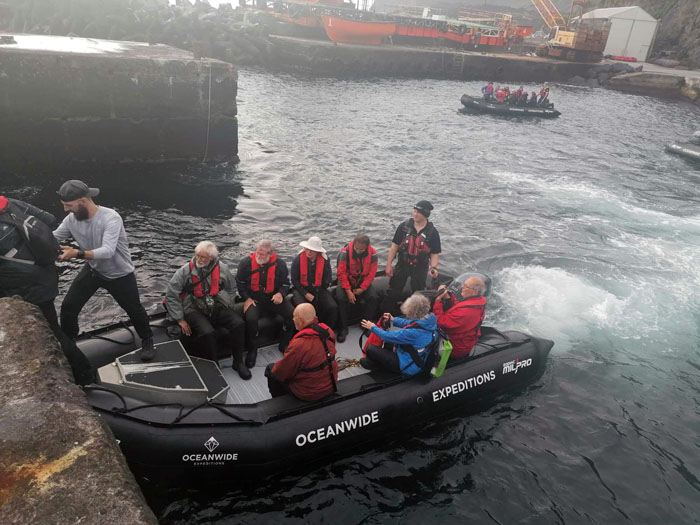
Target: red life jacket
256	270
415	244
358	268
4	204
213	289
304	270
477	301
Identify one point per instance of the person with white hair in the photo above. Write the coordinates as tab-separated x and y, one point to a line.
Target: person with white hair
410	347
200	297
262	280
311	277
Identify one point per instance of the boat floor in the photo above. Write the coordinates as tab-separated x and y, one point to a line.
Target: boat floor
255	389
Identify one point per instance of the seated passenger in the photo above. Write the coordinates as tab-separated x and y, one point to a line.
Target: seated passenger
263	282
357	266
461	317
411	344
311	277
308	369
533	99
487	91
200	297
523	99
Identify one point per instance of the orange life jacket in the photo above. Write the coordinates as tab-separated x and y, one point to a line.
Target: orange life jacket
213	289
304	270
256	270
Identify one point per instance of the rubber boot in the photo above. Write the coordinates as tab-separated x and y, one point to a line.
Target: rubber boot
250	358
239	364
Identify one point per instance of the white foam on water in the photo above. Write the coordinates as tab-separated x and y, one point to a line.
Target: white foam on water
552	303
591	198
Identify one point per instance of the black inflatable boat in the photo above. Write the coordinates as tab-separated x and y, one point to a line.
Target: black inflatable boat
181	418
481	105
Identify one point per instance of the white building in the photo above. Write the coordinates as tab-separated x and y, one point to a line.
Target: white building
632	31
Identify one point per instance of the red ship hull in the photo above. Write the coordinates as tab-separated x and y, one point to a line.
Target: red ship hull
356	32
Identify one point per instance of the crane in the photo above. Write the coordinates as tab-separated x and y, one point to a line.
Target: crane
581	40
549	13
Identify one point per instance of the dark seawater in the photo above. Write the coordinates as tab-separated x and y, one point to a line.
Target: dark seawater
589	230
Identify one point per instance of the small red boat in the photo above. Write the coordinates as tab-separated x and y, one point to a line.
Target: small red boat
355	31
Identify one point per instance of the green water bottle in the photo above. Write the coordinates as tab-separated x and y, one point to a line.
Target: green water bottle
446	351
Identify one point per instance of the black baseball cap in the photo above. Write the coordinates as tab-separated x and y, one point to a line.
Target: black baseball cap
76	189
424	208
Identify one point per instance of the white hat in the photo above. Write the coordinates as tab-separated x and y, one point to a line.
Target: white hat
314	243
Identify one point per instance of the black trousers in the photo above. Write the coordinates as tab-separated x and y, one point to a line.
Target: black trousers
203	325
276	387
403	272
265	306
383	358
79	364
326	309
368	299
124	290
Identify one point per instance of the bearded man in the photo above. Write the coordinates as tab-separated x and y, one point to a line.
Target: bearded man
101	237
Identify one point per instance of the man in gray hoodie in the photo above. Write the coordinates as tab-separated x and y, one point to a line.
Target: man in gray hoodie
200	297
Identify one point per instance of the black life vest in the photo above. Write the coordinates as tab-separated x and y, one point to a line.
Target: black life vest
38	237
256	269
416	246
423	364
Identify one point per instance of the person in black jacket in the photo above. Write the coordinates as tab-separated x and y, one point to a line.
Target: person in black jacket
262	281
21	276
311	277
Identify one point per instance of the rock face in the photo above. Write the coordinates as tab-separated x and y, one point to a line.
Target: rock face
58	461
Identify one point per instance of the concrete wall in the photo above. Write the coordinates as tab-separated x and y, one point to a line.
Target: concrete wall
141	104
58	462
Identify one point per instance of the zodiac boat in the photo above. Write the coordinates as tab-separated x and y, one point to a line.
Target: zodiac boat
180	418
481	105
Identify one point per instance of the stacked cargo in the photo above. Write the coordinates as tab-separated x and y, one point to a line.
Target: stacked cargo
591	35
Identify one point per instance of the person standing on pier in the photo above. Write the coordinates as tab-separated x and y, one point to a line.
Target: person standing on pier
28	270
417	244
101	237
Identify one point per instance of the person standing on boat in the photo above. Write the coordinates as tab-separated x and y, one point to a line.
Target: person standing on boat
262	280
461	318
308	369
311	277
416	248
411	345
200	297
357	266
487	91
101	237
29	271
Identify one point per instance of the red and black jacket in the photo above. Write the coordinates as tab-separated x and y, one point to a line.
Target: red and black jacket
356	271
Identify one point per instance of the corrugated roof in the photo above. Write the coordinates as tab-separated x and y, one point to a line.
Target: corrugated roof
633	11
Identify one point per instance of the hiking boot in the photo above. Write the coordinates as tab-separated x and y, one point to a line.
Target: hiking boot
341	335
250	358
243	370
147	351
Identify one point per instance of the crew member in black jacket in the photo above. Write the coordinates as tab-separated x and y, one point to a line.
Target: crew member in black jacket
262	281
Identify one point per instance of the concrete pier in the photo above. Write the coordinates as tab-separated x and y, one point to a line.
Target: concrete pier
59	463
78	100
329	58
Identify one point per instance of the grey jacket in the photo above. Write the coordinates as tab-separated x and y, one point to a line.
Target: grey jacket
181	283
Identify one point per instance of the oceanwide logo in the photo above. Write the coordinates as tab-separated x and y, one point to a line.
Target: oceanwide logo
211	459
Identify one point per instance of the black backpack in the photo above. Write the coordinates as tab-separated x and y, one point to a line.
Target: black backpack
37	234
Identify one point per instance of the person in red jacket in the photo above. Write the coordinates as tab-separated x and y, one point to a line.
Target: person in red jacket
308	369
357	266
461	318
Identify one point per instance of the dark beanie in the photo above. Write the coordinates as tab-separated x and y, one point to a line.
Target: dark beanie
424	208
